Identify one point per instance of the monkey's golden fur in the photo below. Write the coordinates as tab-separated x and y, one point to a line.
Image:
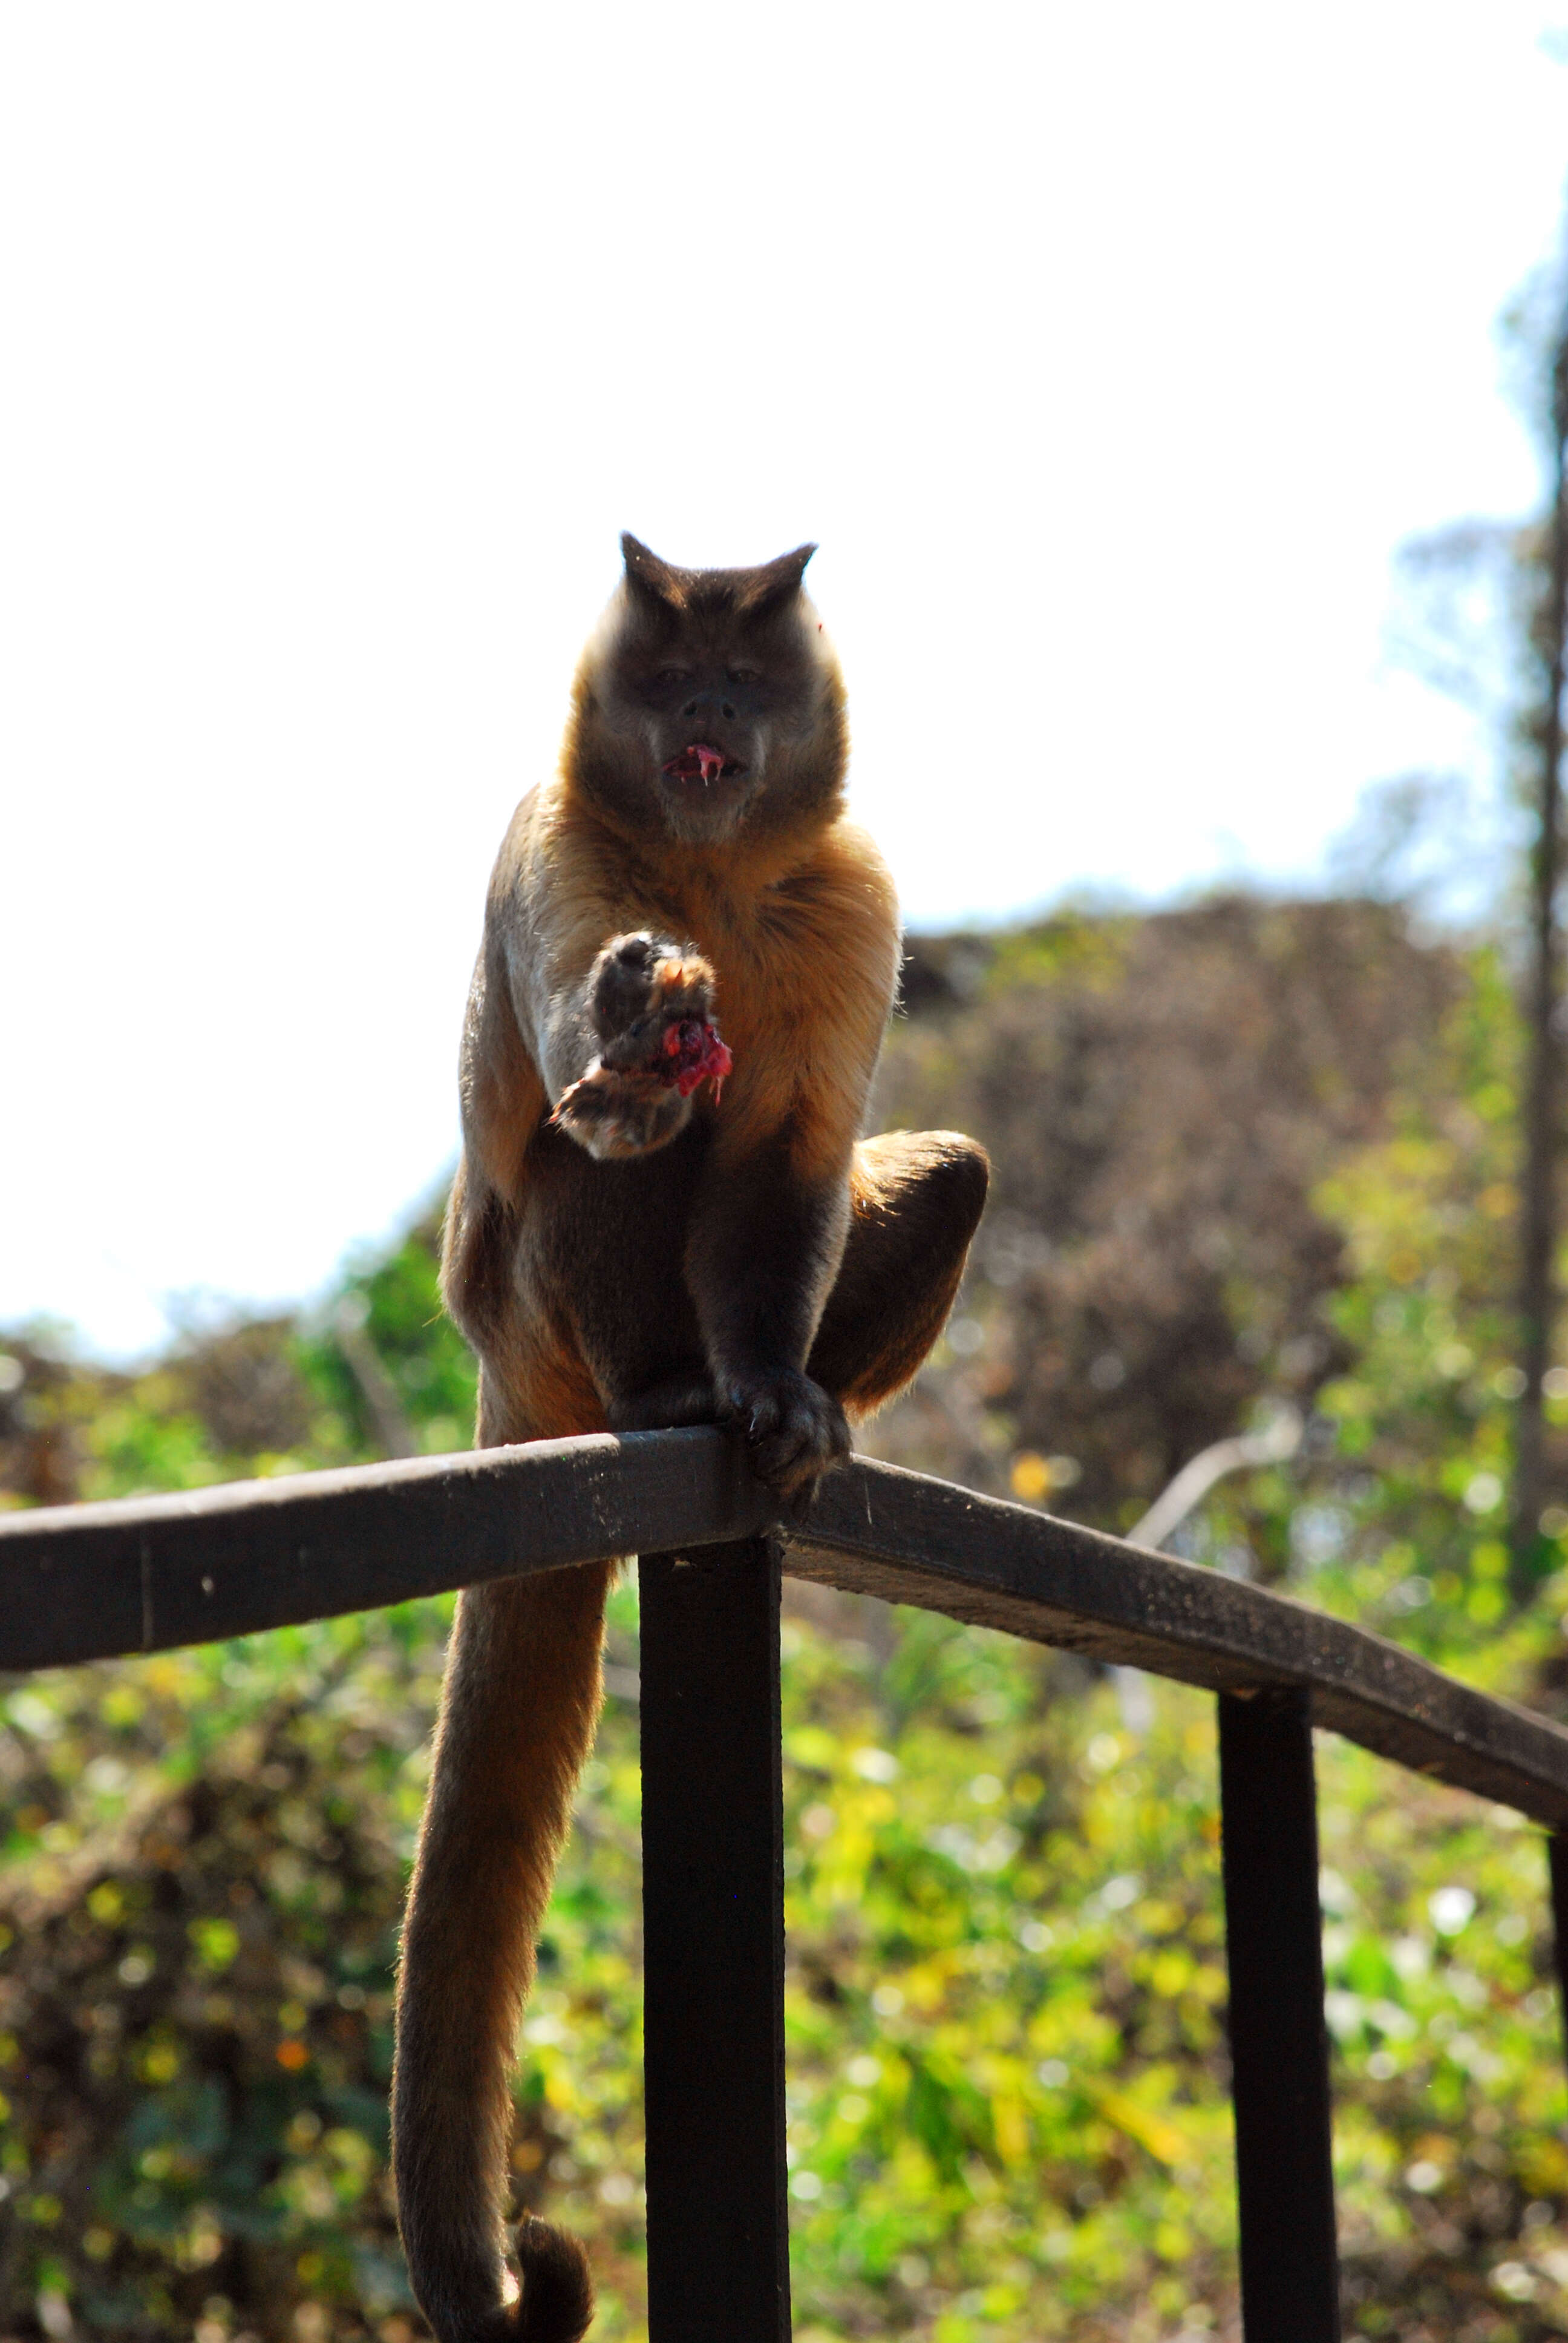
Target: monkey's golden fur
641	1260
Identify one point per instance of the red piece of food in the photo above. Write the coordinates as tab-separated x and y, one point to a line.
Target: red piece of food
698	763
691	1053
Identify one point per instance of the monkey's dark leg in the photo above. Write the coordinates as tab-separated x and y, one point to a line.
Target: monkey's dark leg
613	1242
680	1399
916	1199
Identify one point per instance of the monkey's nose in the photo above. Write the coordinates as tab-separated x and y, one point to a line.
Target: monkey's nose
707	703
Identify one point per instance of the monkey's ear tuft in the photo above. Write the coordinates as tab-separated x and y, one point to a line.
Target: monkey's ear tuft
776	582
649	575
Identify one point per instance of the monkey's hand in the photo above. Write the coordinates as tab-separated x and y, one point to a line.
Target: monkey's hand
795	1429
650	1003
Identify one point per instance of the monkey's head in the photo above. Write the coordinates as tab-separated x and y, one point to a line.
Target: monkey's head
709	702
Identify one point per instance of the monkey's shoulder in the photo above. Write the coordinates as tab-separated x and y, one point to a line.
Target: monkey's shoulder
806	968
544	853
830	925
845	872
841	895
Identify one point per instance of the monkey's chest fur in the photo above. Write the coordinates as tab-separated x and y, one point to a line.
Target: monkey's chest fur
603	1265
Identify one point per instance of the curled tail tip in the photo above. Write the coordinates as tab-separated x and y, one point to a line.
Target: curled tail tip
557	2304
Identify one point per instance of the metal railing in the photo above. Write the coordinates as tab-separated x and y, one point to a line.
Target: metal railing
101	1581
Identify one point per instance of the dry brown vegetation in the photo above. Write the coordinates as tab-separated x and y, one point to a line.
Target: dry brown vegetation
1161	1097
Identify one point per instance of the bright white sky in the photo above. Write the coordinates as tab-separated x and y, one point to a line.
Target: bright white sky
1108	352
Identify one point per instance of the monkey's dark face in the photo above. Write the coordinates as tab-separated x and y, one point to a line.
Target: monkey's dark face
710	713
711	702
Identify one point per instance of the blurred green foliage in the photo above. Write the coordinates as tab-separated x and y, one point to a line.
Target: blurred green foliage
1007	2071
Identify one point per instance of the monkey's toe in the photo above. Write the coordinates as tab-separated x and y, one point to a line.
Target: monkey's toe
621	984
614	1114
640	984
795	1429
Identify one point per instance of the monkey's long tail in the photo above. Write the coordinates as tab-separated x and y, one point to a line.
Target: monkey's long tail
518	1717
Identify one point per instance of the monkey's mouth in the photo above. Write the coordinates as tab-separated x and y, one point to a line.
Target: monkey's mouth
701	763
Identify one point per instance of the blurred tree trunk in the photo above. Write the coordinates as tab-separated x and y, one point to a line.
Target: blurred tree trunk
1539	1215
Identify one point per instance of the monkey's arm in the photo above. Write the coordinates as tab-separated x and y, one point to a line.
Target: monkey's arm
613	1015
767	1232
767	1240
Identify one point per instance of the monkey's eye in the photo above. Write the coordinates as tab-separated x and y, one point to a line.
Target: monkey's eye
673	675
744	674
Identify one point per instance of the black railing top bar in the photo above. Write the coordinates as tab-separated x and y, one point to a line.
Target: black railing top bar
101	1581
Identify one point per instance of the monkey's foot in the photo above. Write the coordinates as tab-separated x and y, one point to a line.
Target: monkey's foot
649	1002
640	986
615	1114
684	1399
795	1429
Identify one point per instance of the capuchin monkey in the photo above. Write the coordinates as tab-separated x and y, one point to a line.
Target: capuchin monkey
664	1214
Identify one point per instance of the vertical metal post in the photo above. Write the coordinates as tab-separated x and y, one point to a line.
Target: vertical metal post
713	1947
1279	2041
1557	1873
